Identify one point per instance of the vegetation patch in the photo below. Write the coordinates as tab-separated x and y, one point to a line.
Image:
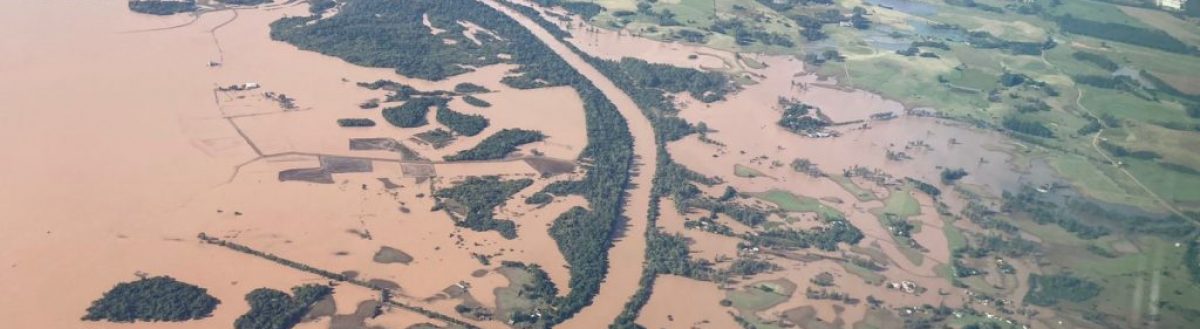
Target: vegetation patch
747	172
794	203
1048	290
470	88
159	298
476	199
164	7
274	309
498	145
437	138
391	34
413	113
476	101
463	124
356	122
389	255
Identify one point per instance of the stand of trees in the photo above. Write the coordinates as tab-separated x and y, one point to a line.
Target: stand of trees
1028	127
463	124
245	2
952	175
1044	212
827	238
922	186
391	33
498	145
1096	59
159	298
1133	35
413	113
985	40
356	122
480	197
475	101
320	6
156	7
274	309
469	88
796	119
1048	290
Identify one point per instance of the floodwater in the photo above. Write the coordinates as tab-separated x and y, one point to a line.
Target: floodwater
120	153
745	125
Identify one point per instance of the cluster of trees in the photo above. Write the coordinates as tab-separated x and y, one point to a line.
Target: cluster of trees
356	122
640	78
976	5
539	198
745	35
413	113
400	92
1048	290
989	245
951	175
470	88
922	186
1029	202
1096	59
316	7
826	238
1121	151
480	196
985	40
1117	82
1028	127
744	214
463	124
751	266
160	298
859	19
1191	260
475	101
1168	226
274	309
157	7
1118	32
245	2
931	44
796	119
498	145
391	33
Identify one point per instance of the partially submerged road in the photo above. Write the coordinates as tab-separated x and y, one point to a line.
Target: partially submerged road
626	258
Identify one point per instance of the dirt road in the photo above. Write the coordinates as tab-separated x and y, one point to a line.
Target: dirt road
627	254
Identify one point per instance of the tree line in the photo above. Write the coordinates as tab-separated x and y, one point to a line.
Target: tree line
156	7
1123	33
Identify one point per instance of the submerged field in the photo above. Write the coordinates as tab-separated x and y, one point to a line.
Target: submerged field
616	163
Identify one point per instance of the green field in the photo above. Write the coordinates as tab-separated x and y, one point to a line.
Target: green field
859	193
793	203
747	172
964	83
